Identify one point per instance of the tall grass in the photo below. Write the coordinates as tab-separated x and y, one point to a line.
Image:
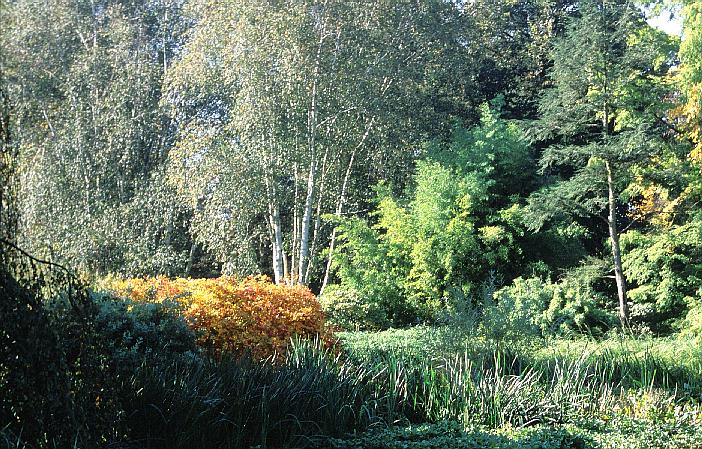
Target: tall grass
314	393
236	403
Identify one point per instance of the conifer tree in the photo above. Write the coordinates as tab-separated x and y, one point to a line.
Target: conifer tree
598	118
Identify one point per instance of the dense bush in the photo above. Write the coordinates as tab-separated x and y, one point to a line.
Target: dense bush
348	309
136	330
518	309
252	316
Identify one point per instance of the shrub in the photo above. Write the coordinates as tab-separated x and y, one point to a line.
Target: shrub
537	307
576	306
692	325
663	272
134	330
518	309
347	309
251	316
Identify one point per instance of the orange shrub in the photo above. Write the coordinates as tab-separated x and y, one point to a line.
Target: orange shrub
251	316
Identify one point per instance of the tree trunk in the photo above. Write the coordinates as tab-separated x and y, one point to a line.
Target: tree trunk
318	213
616	252
306	224
295	229
191	259
342	200
286	269
277	242
311	177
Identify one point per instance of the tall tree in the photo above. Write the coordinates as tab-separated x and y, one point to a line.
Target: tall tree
287	110
691	74
599	117
84	81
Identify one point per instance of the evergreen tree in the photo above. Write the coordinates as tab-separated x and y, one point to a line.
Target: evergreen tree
599	118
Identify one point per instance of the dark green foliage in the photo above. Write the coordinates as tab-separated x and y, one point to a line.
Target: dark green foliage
313	395
600	118
54	367
67	358
134	331
33	378
236	403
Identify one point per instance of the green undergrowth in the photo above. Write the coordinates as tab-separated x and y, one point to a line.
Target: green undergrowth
617	392
628	362
618	434
414	388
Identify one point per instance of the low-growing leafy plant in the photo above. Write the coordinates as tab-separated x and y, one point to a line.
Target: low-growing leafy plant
453	435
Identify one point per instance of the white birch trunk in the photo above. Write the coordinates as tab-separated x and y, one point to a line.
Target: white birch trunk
276	242
312	174
318	214
342	200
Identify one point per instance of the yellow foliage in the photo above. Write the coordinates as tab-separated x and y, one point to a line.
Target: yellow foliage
654	205
251	316
690	115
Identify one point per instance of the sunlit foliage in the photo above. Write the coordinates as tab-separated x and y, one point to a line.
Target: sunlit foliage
251	316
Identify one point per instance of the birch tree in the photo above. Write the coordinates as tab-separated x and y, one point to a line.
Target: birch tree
84	81
278	106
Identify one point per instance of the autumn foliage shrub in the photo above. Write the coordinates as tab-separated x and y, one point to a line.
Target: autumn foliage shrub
244	317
